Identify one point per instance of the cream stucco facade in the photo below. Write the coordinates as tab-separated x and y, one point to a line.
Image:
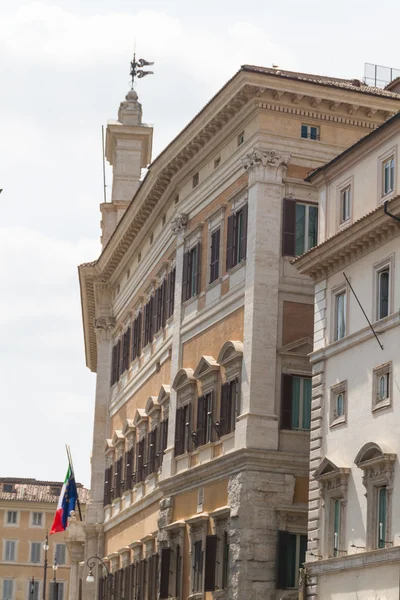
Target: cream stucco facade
201	441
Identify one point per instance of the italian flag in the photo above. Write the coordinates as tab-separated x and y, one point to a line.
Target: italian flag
66	503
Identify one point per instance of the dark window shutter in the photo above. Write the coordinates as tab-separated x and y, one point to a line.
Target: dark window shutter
243	239
230	244
185	277
156	313
198	269
215	246
289	227
224	414
179	432
164	576
139	334
172	288
286	401
187	428
168	296
105	499
121	355
303	550
201	420
128	469
128	346
163	303
151	311
210	563
282	566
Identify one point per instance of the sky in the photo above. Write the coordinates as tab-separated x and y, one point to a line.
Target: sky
64	70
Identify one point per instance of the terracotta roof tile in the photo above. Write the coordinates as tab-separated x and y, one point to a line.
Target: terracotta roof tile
32	490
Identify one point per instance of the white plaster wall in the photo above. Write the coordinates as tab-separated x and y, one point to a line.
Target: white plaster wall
371	583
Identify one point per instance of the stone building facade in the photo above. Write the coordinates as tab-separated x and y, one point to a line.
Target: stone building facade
198	327
354	517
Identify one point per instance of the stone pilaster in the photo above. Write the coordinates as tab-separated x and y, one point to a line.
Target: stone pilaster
178	228
253	497
257	426
75	542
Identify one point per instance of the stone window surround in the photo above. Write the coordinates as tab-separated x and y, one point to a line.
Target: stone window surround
198	527
185	386
129	433
215	220
333	482
141	423
109	453
336	291
164	401
385	369
389	263
137	550
16	543
220	520
230	358
153	410
32	524
378	471
238	199
335	390
118	442
344	184
381	196
193	237
176	537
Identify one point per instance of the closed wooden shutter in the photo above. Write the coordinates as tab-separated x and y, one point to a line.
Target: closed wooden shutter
128	345
179	432
151	309
128	469
201	420
164	574
163	303
210	563
230	244
156	311
224	412
151	467
289	227
286	401
139	334
282	571
243	239
187	430
185	277
214	263
197	270
113	365
172	292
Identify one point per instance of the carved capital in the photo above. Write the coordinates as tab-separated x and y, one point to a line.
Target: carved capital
267	165
103	327
179	223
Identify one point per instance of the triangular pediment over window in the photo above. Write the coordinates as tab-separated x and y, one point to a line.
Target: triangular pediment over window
207	364
118	437
328	469
152	405
128	427
163	395
140	417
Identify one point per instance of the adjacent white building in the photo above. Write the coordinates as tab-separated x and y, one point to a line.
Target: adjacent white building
354	494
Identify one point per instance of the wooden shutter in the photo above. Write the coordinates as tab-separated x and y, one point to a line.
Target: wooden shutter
201	420
113	366
289	227
282	566
224	413
230	244
128	346
210	563
168	296
128	469
163	303
179	432
156	310
197	272
185	277
164	575
286	401
120	356
151	452
172	292
187	428
139	334
243	239
151	311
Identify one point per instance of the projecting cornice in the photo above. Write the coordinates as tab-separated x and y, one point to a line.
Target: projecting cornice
360	238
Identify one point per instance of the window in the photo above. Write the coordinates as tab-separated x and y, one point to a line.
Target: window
381	517
159	307
140	460
33	590
237	238
240	138
148	322
204	419
35	552
163	220
191	273
108	485
129	477
8	589
8	487
296	402
60	554
214	261
182	431
383	293
57	590
310	132
345	204
381	389
339	405
137	336
195	180
229	406
170	293
338	402
10	547
388	176
37	519
291	557
12	517
197	566
299	227
340	315
336	512
164	573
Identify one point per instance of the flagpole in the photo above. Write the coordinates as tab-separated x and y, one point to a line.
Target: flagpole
71	466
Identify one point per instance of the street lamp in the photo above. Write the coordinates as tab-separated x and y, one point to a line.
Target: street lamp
91	563
45	548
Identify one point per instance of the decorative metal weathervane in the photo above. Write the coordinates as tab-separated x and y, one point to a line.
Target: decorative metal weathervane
137	69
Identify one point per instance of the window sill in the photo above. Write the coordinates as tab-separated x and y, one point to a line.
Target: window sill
338	421
296	431
189	300
345	224
387	402
213	284
240	264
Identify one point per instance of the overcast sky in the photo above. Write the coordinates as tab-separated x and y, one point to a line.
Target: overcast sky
64	70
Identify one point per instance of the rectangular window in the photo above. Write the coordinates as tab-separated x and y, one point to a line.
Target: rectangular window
345	204
338	403
60	554
204	419
295	402
191	273
148	322
237	238
310	132
381	393
56	590
381	521
35	552
37	519
337	509
8	589
383	293
8	487
229	406
170	294
299	227
197	566
291	557
140	461
10	550
33	590
12	517
214	262
340	316
388	176
182	430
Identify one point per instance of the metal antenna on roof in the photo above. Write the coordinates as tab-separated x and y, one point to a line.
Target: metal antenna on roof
137	69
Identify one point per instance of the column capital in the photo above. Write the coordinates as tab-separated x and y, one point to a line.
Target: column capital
179	224
266	165
103	327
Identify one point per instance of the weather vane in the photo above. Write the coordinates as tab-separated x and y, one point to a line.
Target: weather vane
137	69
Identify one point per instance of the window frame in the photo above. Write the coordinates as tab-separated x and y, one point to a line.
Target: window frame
309	127
345	204
387	263
307	206
335	391
56	558
37	585
287	411
236	253
7	523
388	166
31	546
13	586
12	544
337	291
384	370
282	548
42	520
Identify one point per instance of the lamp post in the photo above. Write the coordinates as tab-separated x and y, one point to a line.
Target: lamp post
45	548
91	563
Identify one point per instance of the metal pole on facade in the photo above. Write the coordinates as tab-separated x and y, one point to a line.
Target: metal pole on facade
45	548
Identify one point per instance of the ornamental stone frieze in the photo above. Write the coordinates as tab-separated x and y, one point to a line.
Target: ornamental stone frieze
179	223
265	165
